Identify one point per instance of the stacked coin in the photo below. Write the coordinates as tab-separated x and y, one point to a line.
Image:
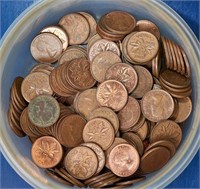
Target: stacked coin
109	113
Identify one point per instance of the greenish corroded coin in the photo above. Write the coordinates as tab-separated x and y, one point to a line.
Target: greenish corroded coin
43	111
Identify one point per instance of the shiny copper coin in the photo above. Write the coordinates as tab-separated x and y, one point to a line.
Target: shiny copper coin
112	94
124	73
46	48
100	131
46	152
81	162
175	62
167	56
76	27
167	130
124	160
157	105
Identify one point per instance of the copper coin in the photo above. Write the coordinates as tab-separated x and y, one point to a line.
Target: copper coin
35	84
86	102
112	94
76	27
100	155
142	47
184	109
171	61
43	111
81	162
93	40
154	159
124	73
101	64
167	130
46	152
187	65
100	46
46	48
167	56
124	160
130	114
79	76
146	25
157	105
156	65
59	32
145	82
175	61
70	130
100	131
182	66
130	182
175	49
106	113
143	131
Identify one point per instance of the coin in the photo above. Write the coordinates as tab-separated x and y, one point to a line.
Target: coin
124	73
46	152
46	48
93	40
157	105
124	160
130	182
81	162
112	94
43	111
35	84
167	130
143	131
101	64
76	27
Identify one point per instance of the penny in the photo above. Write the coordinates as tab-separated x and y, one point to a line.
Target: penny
43	111
100	155
130	114
99	131
145	82
70	130
86	102
124	73
101	46
142	47
124	160
35	84
93	40
187	73
76	27
46	152
143	131
81	162
182	65
59	32
148	26
154	159
139	124
46	48
112	94
157	105
156	65
175	62
45	68
171	61
167	130
167	59
101	64
130	182
105	113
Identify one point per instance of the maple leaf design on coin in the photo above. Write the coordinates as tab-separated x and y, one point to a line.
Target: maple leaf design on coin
123	75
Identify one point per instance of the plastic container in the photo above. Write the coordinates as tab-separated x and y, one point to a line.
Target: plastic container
16	60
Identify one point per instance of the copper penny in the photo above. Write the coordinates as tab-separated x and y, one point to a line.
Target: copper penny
106	113
76	27
143	131
112	94
167	56
100	46
101	64
130	114
130	182
175	62
142	47
124	73
81	162
46	48
35	84
157	105
59	32
46	152
174	47
146	25
100	154
93	40
167	130
43	111
156	65
124	160
187	65
100	131
154	159
145	82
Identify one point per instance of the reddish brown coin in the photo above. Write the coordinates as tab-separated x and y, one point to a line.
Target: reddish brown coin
46	152
124	160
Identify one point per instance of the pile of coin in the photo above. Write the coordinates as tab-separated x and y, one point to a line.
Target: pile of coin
112	109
